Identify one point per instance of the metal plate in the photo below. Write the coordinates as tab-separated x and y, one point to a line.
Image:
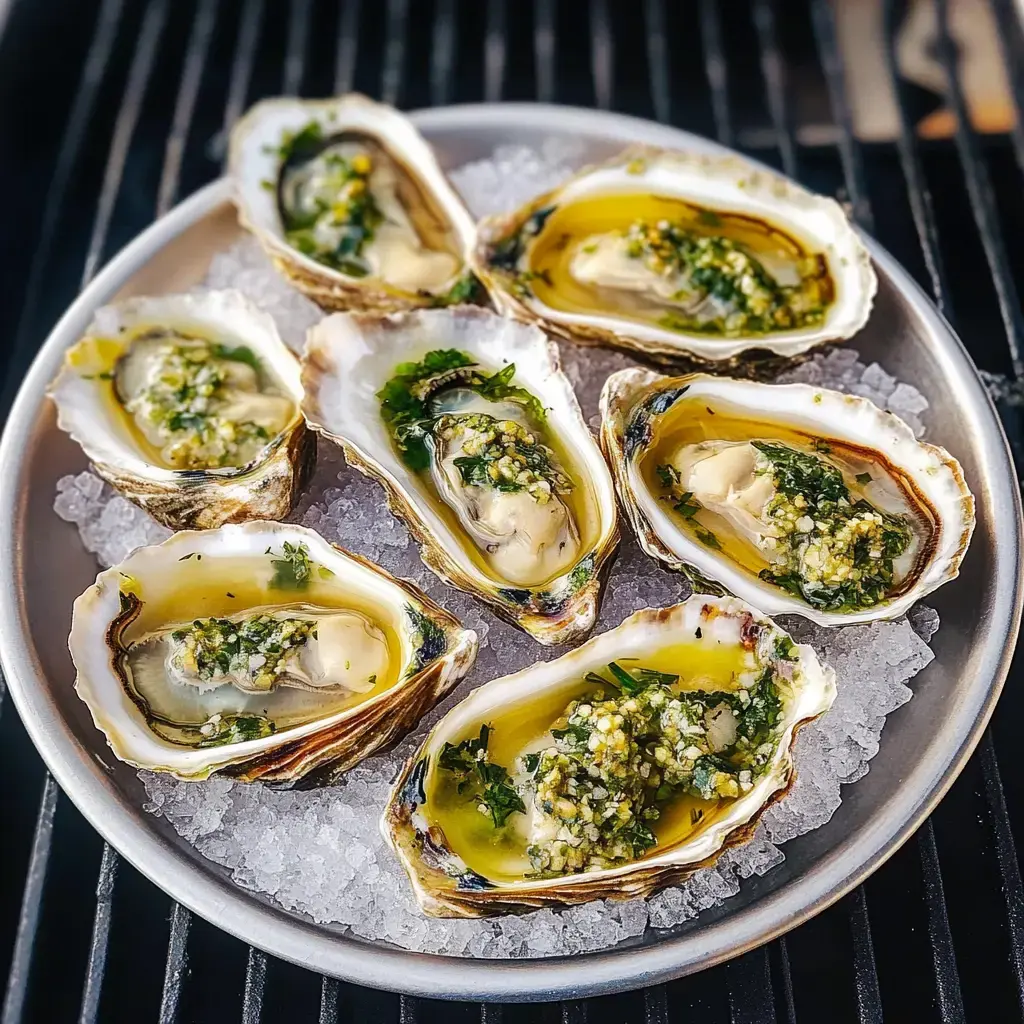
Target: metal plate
923	747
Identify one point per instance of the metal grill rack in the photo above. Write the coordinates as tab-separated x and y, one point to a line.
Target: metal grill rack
111	110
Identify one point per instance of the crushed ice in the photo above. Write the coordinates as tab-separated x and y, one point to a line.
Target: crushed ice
320	852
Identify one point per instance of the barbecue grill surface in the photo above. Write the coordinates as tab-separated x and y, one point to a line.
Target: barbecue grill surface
111	110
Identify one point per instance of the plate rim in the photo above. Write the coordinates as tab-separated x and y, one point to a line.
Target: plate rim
361	961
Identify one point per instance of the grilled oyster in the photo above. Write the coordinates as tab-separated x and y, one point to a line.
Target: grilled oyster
611	772
259	649
792	497
469	424
676	254
189	406
348	199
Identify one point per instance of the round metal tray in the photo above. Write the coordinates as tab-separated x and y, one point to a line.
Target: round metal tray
924	745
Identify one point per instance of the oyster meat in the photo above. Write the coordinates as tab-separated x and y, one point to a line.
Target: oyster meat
611	772
189	406
792	497
349	200
679	254
261	649
476	435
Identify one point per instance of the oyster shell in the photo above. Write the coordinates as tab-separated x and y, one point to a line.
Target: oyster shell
795	498
348	199
675	254
475	434
500	809
189	406
259	649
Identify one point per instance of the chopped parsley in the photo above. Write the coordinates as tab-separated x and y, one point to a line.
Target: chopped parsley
487	783
221	729
329	211
745	298
406	407
251	653
616	758
292	571
832	552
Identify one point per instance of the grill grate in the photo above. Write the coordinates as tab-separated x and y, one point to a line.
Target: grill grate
142	96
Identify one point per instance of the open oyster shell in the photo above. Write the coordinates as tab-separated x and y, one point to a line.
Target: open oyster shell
106	372
462	864
365	654
710	469
538	562
641	253
348	199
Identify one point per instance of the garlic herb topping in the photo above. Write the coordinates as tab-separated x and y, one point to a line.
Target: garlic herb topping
708	283
823	544
203	405
617	758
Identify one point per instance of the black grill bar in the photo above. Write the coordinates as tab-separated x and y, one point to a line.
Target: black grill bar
655	1005
408	1010
544	49
869	998
93	71
772	68
328	1001
177	964
918	193
715	69
1009	866
787	980
295	47
947	979
442	53
576	1012
601	54
255	981
241	65
99	944
394	50
849	151
345	51
198	47
495	51
751	1000
491	1013
127	118
657	60
28	921
979	191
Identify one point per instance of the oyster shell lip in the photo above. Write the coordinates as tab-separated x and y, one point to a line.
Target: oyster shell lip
252	160
936	476
445	887
267	486
336	742
728	183
349	356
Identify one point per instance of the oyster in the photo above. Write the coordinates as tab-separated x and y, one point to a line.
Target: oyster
794	498
676	254
259	649
189	406
611	772
469	424
348	199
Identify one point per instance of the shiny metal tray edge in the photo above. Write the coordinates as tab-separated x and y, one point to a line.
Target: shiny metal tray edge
982	626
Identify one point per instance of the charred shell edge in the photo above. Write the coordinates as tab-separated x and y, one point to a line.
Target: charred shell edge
445	887
626	429
347	737
562	613
327	287
661	346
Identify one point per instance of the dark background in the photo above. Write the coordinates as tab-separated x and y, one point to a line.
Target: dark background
111	110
